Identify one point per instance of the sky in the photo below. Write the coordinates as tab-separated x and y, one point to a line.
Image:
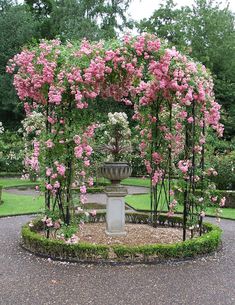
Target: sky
140	9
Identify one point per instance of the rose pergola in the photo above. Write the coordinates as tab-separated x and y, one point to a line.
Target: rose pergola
173	101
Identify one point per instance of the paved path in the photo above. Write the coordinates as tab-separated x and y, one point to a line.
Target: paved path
28	280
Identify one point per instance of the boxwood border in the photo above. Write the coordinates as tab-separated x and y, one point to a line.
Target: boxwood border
85	252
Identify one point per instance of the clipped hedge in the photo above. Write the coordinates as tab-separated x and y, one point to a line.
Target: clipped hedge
92	190
206	243
57	249
10	174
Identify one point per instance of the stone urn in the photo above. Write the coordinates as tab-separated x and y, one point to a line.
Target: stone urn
116	171
115	203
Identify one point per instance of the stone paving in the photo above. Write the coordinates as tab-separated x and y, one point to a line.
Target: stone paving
29	280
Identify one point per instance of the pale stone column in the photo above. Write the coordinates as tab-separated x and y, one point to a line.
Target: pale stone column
115	210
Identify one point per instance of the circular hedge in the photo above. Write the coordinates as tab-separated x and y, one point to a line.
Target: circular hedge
59	250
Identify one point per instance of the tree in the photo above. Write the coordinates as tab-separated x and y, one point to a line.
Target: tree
167	22
212	37
17	28
41	10
93	19
5	5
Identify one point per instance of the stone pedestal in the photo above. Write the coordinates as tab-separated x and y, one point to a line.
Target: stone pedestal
115	210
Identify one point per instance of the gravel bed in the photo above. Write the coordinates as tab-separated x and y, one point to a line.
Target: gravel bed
137	234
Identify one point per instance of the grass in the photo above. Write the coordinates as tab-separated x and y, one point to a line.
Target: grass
142	202
137	182
17	205
130	181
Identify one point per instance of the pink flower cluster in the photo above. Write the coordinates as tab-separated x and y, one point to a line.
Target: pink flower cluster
157	176
184	165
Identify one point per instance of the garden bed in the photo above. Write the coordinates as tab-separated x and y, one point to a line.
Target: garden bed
137	234
106	251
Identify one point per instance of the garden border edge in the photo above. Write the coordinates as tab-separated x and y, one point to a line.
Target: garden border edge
208	243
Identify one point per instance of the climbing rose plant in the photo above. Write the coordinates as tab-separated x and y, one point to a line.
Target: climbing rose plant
172	97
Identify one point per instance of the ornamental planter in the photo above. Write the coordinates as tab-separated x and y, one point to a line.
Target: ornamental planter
115	205
116	171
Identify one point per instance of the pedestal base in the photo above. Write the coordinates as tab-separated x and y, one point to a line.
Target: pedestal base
115	234
115	210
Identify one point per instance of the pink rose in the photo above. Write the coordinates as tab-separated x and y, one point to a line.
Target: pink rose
190	120
57	185
48	171
93	213
90	181
214	198
61	169
183	165
87	163
83	189
49	143
222	202
49	187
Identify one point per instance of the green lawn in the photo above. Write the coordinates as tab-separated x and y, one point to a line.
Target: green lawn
142	202
137	182
130	181
18	204
15	204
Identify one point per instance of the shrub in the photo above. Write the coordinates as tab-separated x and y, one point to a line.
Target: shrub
11	148
225	166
